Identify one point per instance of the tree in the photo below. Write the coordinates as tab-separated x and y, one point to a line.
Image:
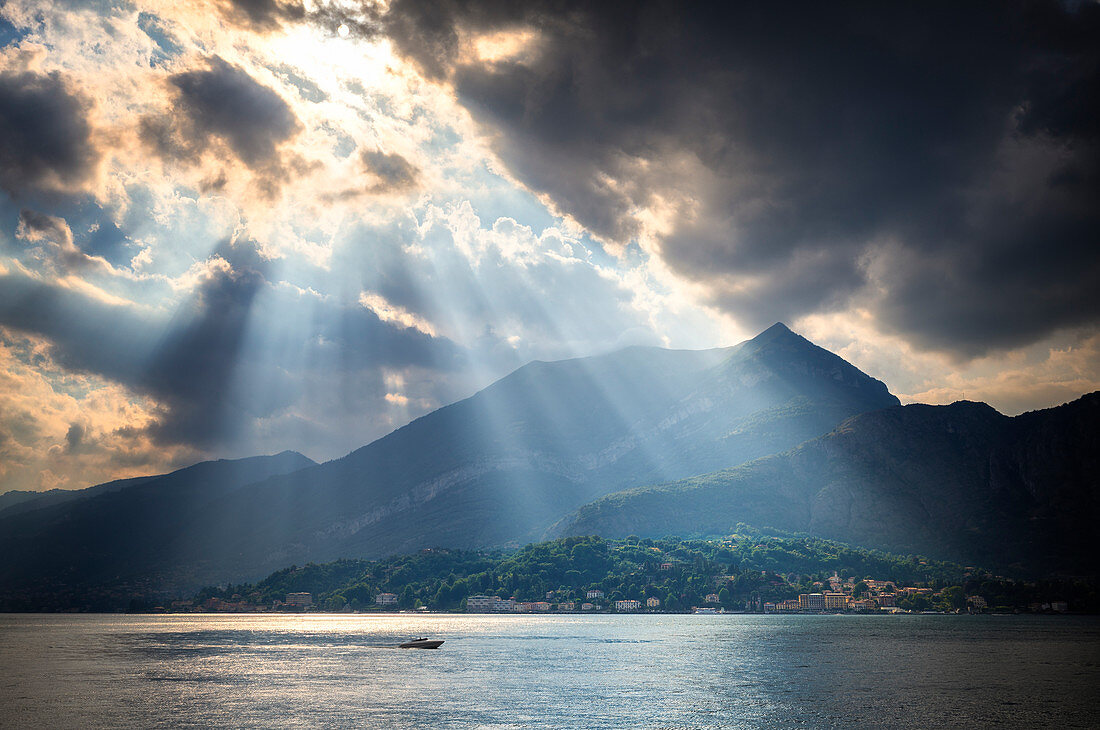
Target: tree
859	589
442	597
954	597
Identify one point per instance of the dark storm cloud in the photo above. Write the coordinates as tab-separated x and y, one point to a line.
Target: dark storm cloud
392	171
222	102
939	163
262	15
194	365
211	380
45	139
188	368
269	15
87	335
74	437
35	225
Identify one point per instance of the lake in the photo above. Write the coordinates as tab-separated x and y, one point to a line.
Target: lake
552	671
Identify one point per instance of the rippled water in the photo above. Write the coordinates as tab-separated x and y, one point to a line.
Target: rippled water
549	671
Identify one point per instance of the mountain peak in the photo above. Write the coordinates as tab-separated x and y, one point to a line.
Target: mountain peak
776	329
781	334
809	368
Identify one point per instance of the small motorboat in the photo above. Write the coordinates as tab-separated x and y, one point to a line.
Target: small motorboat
422	643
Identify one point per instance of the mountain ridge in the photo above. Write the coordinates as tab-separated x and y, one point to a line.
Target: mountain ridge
955	482
120	532
500	467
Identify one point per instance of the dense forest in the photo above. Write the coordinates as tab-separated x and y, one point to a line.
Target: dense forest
746	565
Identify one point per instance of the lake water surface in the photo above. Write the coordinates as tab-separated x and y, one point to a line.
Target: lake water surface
549	671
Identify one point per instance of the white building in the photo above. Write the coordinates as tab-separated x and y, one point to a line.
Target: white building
481	604
488	604
299	600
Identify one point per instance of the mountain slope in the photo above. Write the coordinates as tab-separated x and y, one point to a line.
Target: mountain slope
16	502
506	463
120	530
497	468
960	482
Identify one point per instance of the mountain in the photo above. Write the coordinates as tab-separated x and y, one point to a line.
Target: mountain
959	482
19	501
500	467
121	531
497	468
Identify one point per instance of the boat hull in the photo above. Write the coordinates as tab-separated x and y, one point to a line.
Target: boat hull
422	644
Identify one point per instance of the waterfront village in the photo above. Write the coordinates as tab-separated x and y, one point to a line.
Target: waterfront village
837	595
747	571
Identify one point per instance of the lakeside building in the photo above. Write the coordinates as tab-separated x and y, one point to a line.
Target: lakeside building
976	603
880	586
530	606
386	599
481	604
811	601
653	602
909	591
628	605
567	606
299	600
489	604
711	598
588	607
836	601
594	594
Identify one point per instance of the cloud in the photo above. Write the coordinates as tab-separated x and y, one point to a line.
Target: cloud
262	15
938	165
53	233
359	20
74	436
222	102
242	353
392	172
61	429
388	312
192	369
45	138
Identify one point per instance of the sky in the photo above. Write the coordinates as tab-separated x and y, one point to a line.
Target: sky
233	228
